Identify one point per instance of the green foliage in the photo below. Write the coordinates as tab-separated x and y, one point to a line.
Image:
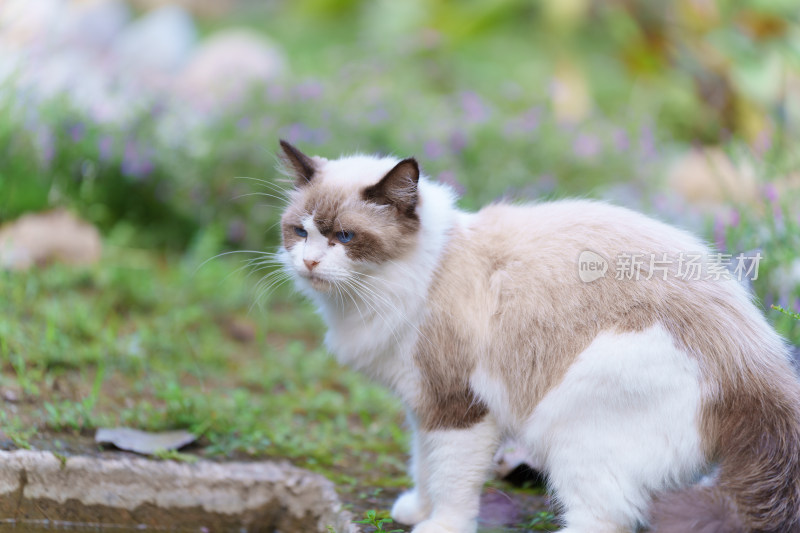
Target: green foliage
542	521
175	455
378	520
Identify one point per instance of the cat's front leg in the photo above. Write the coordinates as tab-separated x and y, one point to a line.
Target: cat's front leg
457	463
414	506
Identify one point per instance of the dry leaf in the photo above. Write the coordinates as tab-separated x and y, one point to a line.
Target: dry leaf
143	442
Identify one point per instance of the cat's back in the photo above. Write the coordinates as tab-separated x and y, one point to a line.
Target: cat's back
560	228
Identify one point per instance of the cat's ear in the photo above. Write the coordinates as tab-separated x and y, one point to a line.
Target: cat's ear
398	188
299	164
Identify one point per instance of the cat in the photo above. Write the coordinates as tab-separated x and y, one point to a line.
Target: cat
625	391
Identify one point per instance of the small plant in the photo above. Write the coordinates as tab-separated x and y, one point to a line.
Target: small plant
786	312
62	459
542	521
174	455
372	518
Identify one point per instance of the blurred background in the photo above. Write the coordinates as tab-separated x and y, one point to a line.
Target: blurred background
133	136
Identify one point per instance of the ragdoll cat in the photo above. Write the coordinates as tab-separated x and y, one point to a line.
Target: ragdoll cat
626	391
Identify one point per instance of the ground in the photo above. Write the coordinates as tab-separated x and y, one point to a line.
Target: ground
148	340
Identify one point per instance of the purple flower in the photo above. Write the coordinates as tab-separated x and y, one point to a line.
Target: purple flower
474	109
763	141
526	123
458	141
586	146
300	133
448	177
76	131
136	161
276	93
647	142
433	149
237	230
546	183
47	145
105	148
243	123
735	218
719	233
378	115
771	192
621	140
309	90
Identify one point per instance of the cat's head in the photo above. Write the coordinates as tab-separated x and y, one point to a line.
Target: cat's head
347	217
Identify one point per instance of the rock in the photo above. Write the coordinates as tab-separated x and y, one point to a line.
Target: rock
44	237
135	492
95	24
708	177
143	442
158	44
227	65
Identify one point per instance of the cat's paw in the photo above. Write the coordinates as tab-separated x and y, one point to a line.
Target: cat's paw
435	526
408	509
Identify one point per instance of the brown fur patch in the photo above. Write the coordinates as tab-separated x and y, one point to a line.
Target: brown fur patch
380	233
698	510
447	400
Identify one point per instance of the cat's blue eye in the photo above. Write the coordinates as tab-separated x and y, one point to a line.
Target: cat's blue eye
300	232
344	236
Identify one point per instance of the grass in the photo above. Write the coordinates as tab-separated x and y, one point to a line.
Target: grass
143	340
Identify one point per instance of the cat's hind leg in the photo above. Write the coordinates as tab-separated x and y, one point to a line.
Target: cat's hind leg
458	463
622	425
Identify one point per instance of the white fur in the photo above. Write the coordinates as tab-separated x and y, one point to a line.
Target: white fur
622	424
457	462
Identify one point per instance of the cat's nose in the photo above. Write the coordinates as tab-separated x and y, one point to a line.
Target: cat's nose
310	264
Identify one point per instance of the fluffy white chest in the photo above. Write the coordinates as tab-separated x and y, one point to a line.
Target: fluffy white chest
376	334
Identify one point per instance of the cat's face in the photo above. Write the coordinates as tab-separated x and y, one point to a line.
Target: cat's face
346	218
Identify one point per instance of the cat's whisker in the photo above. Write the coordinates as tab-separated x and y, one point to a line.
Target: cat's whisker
259	252
270	283
396	309
376	311
264	183
283	201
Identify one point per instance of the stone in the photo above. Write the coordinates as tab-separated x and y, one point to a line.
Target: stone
157	44
707	177
131	491
56	235
227	65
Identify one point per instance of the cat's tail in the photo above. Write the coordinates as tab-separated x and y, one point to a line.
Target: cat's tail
753	427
